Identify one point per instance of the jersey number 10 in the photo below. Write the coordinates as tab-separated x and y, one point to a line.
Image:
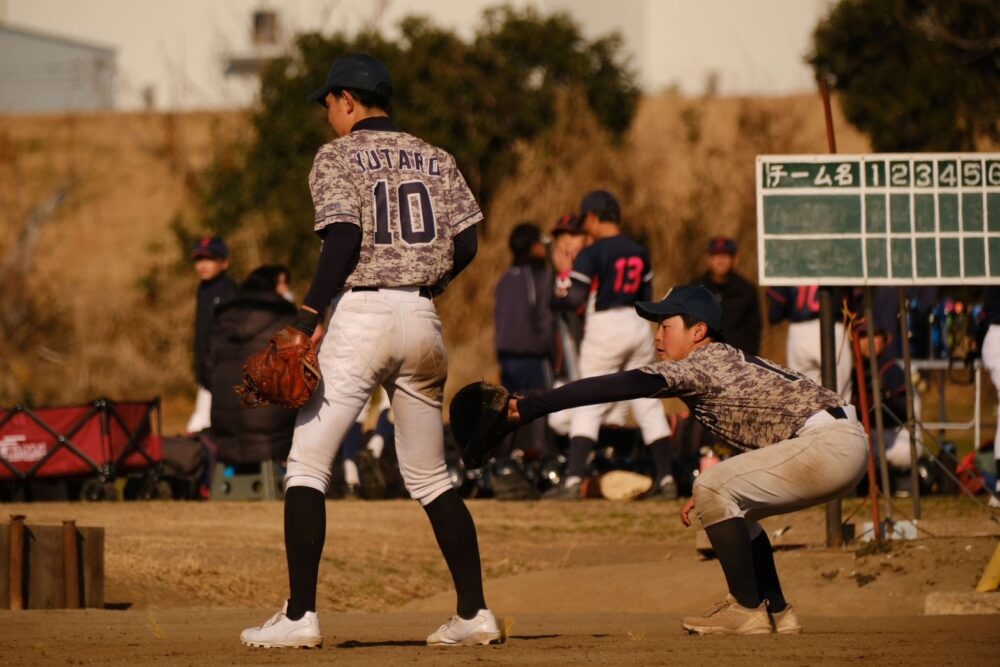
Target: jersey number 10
413	232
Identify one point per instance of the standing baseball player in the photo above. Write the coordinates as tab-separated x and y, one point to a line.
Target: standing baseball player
618	270
800	445
211	261
991	361
398	223
800	306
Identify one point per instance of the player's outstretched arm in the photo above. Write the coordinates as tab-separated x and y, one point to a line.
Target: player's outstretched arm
610	388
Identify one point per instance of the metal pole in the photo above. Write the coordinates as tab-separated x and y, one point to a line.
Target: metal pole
828	361
977	411
828	369
877	401
71	565
859	371
911	422
16	561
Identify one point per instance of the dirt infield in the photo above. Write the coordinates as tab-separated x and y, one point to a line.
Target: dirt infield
591	583
209	637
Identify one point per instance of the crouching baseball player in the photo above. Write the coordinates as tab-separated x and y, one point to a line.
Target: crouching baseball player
800	445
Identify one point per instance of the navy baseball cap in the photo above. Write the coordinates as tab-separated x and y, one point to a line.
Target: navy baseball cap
359	71
567	224
721	245
210	246
602	204
692	300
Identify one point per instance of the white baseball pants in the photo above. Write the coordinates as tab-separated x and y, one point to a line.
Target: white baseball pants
618	340
991	361
822	463
390	337
804	354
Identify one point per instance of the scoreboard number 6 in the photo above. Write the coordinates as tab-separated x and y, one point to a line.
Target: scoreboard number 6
993	173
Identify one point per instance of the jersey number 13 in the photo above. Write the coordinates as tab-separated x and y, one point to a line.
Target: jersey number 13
628	274
413	211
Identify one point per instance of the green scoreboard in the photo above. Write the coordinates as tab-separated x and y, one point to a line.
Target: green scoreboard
879	219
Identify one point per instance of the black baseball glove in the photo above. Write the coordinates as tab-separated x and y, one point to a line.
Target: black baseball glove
479	421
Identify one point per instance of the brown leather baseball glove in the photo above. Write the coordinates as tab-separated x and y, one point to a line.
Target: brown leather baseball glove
285	373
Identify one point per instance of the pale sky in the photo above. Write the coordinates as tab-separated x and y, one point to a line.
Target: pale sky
177	46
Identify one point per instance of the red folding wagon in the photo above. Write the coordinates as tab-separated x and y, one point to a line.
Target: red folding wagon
96	443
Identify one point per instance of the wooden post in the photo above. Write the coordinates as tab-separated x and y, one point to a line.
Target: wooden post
17	561
71	565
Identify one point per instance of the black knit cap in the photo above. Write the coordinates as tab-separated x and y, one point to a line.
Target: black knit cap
359	71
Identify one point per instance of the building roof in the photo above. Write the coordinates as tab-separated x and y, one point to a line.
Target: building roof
58	39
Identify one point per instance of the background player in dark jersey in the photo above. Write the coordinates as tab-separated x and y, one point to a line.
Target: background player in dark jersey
800	445
738	296
211	261
800	306
617	272
397	221
524	327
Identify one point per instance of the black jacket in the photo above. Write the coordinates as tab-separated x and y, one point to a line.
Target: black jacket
741	319
244	325
210	294
522	315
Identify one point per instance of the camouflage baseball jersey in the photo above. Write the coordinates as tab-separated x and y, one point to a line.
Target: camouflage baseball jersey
748	401
408	197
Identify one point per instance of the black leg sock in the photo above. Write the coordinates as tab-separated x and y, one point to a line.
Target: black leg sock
579	449
662	458
456	535
766	574
731	542
305	532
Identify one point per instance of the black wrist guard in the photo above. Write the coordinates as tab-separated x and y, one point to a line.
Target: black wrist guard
306	321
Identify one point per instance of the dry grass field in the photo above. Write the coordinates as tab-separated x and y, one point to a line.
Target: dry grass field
80	322
87	202
594	582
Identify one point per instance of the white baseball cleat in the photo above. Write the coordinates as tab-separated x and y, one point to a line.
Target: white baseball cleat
482	629
281	632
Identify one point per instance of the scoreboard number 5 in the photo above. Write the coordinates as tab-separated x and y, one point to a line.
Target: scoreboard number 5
972	173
